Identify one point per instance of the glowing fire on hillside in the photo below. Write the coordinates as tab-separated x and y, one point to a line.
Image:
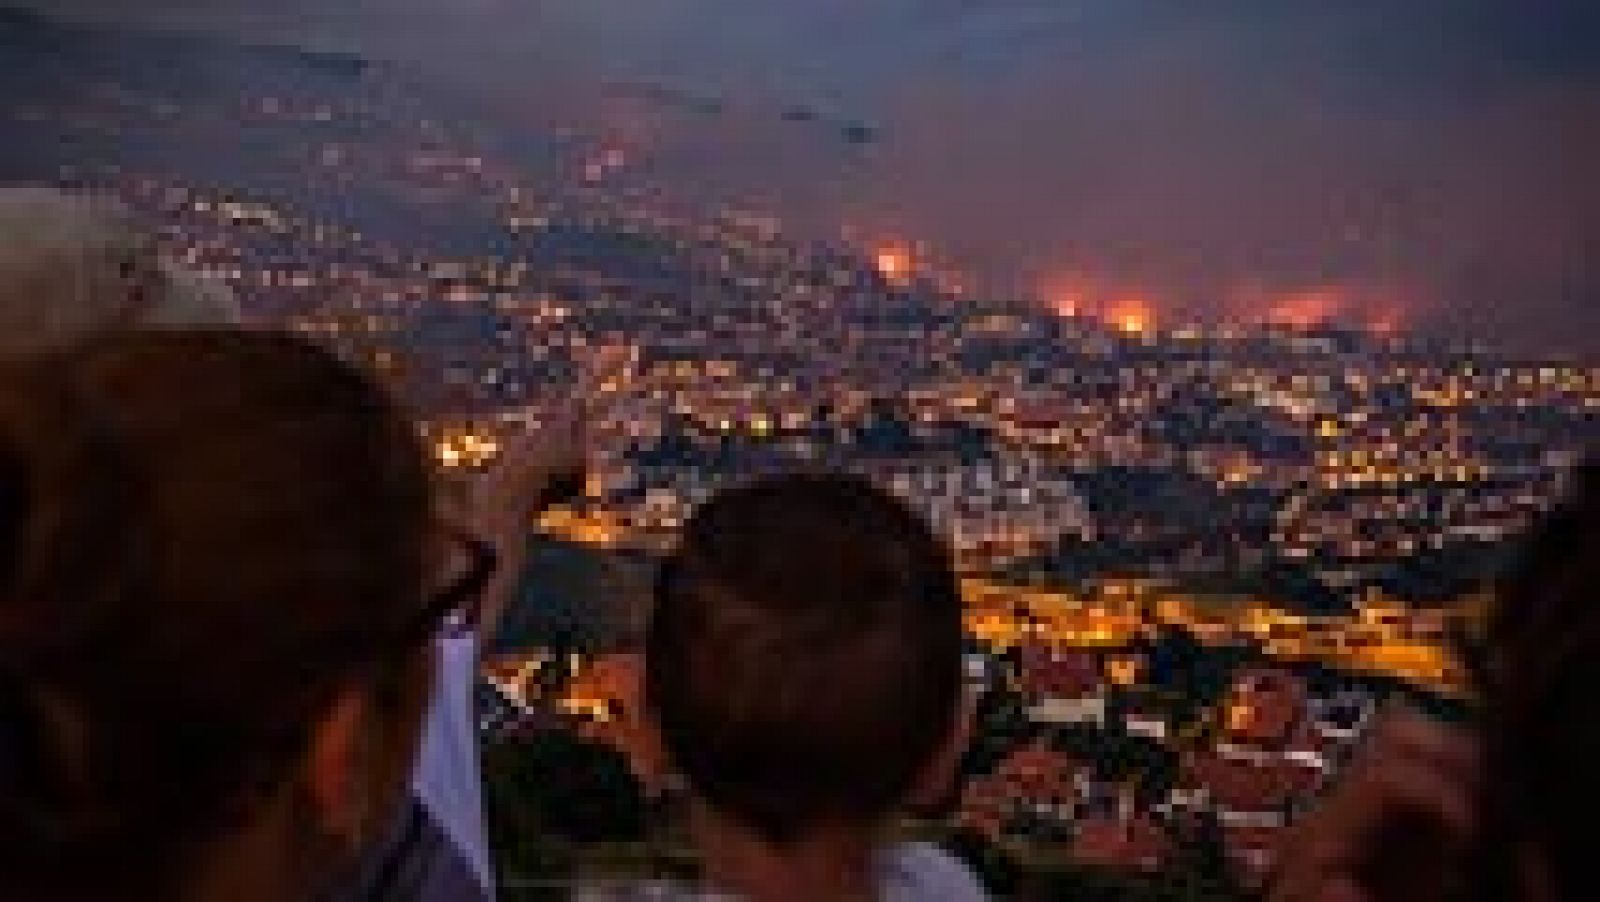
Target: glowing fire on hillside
1132	315
895	262
1138	309
1307	309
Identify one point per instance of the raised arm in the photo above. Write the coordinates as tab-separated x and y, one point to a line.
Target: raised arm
536	469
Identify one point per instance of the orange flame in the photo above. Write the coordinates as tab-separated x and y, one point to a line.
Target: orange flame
894	262
1308	309
1067	301
1132	315
1130	309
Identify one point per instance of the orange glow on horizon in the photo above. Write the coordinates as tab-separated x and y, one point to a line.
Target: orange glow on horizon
1132	316
1068	303
1131	310
1067	295
1133	323
1140	310
1308	309
1386	323
1382	309
894	262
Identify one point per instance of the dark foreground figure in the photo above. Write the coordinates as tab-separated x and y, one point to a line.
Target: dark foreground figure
803	673
1506	813
214	617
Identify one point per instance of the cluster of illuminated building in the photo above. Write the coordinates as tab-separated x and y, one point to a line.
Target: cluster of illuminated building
715	333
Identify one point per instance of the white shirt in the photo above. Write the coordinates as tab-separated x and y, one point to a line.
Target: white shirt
448	779
911	872
438	849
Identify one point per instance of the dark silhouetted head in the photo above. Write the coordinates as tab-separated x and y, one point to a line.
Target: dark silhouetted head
803	659
1543	699
209	541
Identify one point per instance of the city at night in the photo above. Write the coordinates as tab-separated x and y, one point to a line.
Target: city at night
1243	360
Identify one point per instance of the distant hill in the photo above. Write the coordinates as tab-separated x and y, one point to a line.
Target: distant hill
249	119
106	50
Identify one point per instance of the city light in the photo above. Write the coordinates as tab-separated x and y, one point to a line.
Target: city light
1109	472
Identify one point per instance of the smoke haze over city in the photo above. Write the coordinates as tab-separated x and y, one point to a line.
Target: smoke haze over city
1208	364
1429	164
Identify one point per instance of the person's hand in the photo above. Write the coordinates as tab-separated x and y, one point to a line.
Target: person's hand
1398	825
534	470
531	471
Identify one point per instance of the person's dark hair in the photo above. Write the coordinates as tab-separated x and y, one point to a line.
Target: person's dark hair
803	656
1543	721
203	536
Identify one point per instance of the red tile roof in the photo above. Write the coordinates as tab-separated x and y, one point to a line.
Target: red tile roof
1063	674
1239	785
1136	843
1037	772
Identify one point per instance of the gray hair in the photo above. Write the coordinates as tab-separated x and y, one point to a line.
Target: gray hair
74	266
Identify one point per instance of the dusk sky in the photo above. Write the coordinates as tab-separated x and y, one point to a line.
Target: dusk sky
1428	162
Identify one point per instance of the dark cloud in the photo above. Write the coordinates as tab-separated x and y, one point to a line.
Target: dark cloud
1436	157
